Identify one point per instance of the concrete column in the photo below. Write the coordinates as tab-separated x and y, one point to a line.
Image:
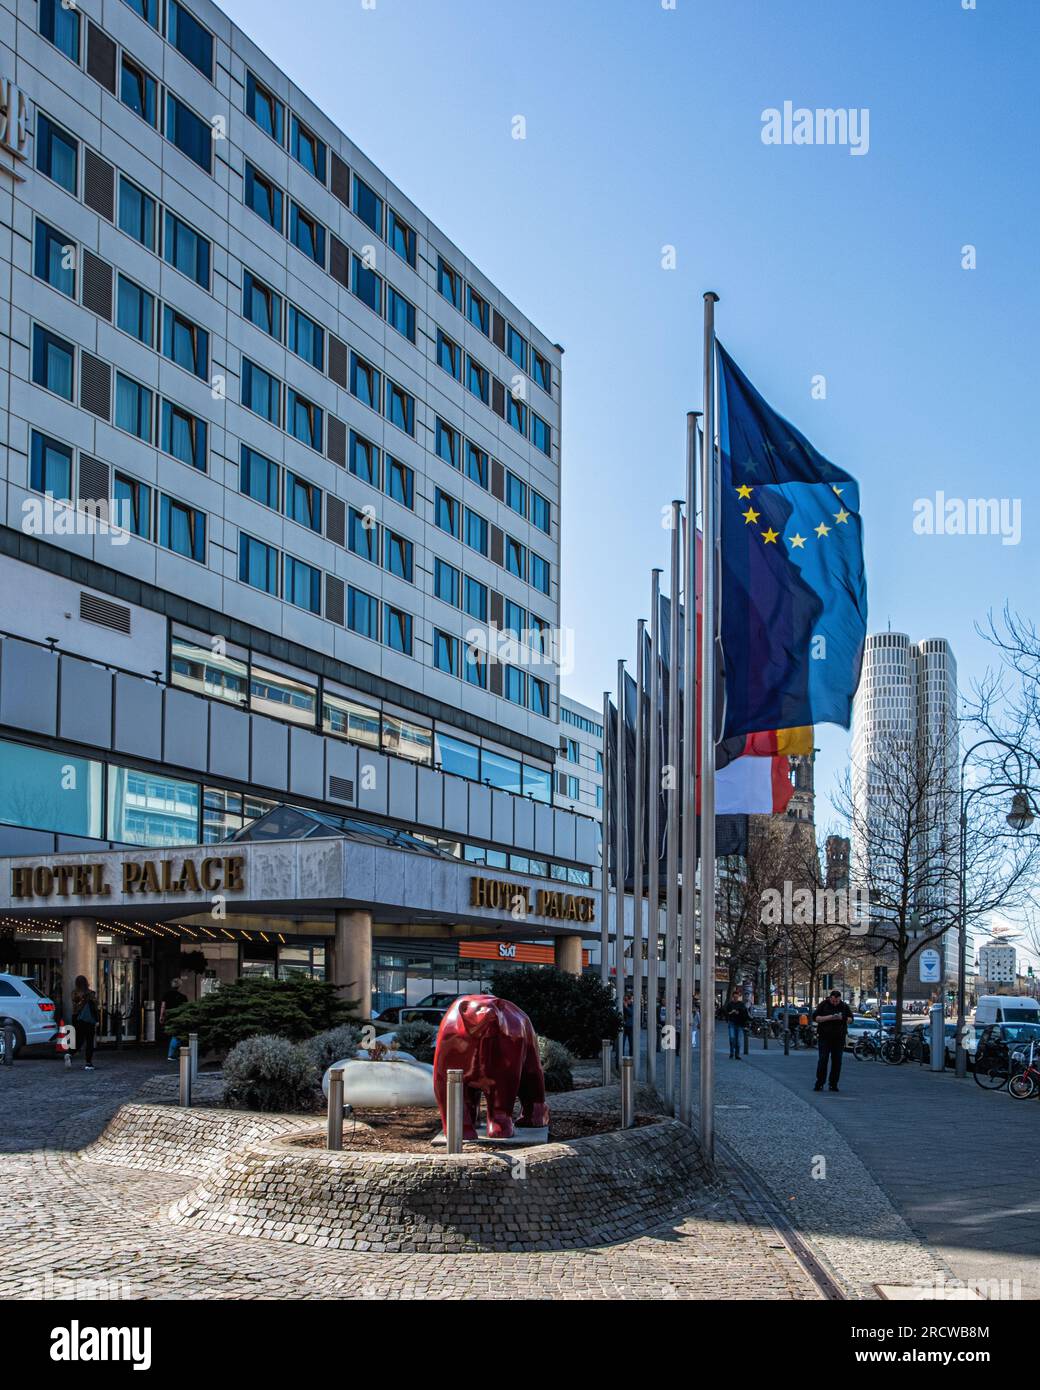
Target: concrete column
352	961
79	957
567	951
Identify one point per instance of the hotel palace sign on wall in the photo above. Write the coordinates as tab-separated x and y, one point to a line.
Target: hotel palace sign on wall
518	900
214	874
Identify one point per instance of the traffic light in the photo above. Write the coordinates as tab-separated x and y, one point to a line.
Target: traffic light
880	978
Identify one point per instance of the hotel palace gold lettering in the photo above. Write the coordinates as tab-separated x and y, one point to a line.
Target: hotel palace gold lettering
517	897
211	875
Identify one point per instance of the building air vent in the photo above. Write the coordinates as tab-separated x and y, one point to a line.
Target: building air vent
335	519
498	546
340	180
101	57
99	610
334	598
95	382
498	480
97	285
498	397
339	262
93	479
337	441
341	789
338	361
99	184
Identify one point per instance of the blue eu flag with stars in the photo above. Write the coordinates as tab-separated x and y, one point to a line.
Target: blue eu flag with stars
793	592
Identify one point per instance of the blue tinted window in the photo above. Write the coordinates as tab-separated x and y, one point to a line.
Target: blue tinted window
541	372
400	482
516	494
186	250
183	529
477	379
136	213
457	757
55	259
306	338
304	420
364	381
476	464
368	205
477	310
264	197
56	153
257	564
516	558
516	413
363	534
50	467
400	407
446	582
147	808
302	585
190	38
183	435
476	532
541	434
514	618
397	632
475	665
362	613
138	90
445	652
302	501
261	305
52	362
135	310
539	573
261	392
147	9
37	791
539	696
400	236
366	284
449	283
133	504
363	459
475	599
307	149
192	135
133	407
446	443
264	108
499	771
446	512
540	512
397	555
400	314
61	27
258	477
514	685
449	356
306	233
185	343
516	347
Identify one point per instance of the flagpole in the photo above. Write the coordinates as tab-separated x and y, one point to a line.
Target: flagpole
672	818
637	860
687	935
619	853
604	840
653	837
709	499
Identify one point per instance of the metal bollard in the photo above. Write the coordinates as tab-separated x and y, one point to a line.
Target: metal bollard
184	1058
746	1034
453	1127
334	1131
193	1048
937	1038
607	1059
628	1093
787	1038
765	1037
8	1045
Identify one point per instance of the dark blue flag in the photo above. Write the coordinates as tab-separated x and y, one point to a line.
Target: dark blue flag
793	598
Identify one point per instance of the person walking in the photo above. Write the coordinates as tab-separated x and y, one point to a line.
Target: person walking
85	1016
696	1021
738	1018
172	999
832	1018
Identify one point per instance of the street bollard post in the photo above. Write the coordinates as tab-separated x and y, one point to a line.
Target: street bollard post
628	1093
937	1021
193	1048
334	1130
453	1127
8	1045
747	1032
607	1061
184	1057
787	1037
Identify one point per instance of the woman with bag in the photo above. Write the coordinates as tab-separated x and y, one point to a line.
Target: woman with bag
85	1016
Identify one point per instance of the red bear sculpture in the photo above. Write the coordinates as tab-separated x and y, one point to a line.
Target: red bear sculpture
493	1044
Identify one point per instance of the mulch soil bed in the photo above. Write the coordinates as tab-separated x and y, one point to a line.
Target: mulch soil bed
410	1130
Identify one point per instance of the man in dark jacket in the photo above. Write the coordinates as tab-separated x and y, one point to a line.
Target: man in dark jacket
832	1019
738	1018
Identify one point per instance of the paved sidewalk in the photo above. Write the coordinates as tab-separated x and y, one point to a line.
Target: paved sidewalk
86	1230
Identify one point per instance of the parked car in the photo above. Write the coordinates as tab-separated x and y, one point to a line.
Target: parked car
994	1043
430	1009
860	1025
30	1014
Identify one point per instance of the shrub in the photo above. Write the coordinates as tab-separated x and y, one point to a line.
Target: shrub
556	1065
269	1073
577	1010
296	1008
332	1046
418	1038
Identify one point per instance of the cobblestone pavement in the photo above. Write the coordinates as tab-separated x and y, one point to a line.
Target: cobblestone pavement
79	1229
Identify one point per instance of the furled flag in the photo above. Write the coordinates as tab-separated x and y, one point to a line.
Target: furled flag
793	599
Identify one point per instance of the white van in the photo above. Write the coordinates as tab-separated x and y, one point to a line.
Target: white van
1006	1008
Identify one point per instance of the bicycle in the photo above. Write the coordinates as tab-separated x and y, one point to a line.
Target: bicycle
905	1047
1025	1083
869	1045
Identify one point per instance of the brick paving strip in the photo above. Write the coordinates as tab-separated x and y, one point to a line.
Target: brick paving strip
77	1228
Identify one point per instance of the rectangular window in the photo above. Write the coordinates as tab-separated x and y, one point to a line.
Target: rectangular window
307	234
476	464
496	770
146	808
459	758
261	305
182	529
516	558
446	582
271	692
302	501
539	573
50	467
475	599
401	237
264	197
477	379
400	482
190	38
133	407
514	619
304	420
407	740
135	311
363	459
257	564
446	513
477	311
400	314
261	392
60	26
185	343
445	652
449	283
147	9
186	250
136	213
397	629
541	434
514	685
368	205
446	443
183	435
363	617
538	691
541	372
363	535
55	259
133	504
307	149
476	532
302	585
366	284
449	356
475	665
138	90
516	494
258	477
364	381
57	153
400	407
538	635
306	338
516	413
42	790
516	347
190	133
540	512
263	107
397	555
52	362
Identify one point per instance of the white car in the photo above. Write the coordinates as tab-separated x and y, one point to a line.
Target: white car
26	1010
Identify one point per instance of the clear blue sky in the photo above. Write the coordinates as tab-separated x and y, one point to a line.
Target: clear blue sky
643	128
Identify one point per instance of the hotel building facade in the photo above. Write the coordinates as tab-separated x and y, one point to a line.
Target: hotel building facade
279	542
